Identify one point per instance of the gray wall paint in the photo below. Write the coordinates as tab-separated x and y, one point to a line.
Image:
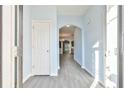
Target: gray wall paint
27	56
93	25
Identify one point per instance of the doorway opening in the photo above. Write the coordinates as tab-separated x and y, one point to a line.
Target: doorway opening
70	43
66	40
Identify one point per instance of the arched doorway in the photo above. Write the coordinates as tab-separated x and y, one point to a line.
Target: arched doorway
70	42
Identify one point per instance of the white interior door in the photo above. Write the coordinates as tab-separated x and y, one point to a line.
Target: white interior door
40	48
111	47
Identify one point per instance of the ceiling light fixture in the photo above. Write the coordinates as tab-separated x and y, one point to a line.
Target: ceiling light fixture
68	25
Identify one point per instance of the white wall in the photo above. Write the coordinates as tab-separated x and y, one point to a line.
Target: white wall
48	13
76	21
27	56
78	46
93	25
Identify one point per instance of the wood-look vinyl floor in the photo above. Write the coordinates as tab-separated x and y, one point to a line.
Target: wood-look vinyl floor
70	75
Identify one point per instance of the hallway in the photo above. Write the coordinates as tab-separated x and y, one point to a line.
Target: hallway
70	76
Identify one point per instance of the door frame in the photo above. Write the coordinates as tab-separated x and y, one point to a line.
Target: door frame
119	47
104	42
17	47
0	46
8	24
50	23
11	78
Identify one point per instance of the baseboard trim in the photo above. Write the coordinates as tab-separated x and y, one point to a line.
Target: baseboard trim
88	72
77	61
102	84
24	80
82	67
53	74
58	67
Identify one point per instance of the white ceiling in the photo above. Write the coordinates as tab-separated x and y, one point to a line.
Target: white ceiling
72	9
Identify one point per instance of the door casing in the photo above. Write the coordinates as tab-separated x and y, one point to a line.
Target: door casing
119	47
0	46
